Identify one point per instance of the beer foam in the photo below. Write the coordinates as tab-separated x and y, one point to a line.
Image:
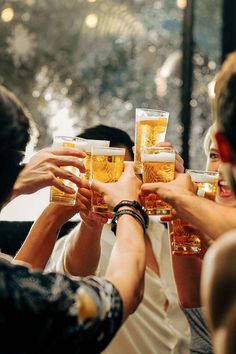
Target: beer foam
160	157
83	145
202	178
93	142
109	152
152	118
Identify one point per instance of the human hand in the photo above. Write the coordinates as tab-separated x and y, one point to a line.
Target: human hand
170	192
127	187
44	168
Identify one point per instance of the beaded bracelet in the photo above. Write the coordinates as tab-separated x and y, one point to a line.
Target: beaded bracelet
132	213
136	205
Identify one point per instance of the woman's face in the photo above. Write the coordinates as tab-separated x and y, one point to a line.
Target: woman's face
223	195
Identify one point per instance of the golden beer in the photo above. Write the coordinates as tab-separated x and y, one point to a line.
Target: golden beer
150	129
206	183
106	166
185	237
56	195
87	159
158	166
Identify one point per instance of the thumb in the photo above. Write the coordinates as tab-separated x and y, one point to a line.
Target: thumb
97	186
128	166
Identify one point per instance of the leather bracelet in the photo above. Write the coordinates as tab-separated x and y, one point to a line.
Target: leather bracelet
132	213
136	205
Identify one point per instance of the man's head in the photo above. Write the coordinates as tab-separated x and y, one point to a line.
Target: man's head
117	137
225	99
14	135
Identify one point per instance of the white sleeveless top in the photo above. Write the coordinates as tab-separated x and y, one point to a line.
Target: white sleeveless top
151	329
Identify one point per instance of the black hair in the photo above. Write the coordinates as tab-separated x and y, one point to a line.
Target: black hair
116	136
14	136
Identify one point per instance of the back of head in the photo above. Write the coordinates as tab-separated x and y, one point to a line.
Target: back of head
117	137
14	135
225	95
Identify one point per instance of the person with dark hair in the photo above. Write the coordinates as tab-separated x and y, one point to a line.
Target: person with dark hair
117	137
49	313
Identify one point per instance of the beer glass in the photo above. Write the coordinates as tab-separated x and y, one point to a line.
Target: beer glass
56	195
185	238
158	166
150	129
206	182
106	166
87	159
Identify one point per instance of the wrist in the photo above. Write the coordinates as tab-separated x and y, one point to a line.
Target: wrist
92	225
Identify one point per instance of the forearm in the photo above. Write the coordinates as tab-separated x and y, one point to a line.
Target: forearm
127	262
41	238
83	252
187	273
209	217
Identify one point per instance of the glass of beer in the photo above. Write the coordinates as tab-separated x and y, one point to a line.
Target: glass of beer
106	166
158	166
205	181
185	238
87	159
56	195
150	129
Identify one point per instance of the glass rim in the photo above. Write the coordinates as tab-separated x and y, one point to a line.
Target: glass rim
68	137
161	148
150	112
107	149
189	170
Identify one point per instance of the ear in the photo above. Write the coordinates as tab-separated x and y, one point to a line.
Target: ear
224	147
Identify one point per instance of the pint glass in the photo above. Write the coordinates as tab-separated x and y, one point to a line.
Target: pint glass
87	159
106	166
206	183
158	166
56	195
185	238
150	129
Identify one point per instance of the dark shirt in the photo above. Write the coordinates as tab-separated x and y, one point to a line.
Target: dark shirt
200	336
46	313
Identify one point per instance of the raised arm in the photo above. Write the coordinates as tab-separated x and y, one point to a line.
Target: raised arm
81	254
128	258
41	239
209	217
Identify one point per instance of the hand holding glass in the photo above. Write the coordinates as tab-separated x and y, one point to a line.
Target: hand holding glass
150	129
185	238
107	165
56	195
158	166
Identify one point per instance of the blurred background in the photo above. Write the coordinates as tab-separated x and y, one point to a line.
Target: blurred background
78	63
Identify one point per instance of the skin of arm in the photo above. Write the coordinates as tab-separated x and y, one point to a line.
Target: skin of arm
202	213
42	236
76	259
187	273
128	258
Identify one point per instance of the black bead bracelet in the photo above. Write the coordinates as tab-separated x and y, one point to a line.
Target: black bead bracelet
136	205
132	213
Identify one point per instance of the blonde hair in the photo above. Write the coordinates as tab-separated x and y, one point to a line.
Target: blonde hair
208	138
